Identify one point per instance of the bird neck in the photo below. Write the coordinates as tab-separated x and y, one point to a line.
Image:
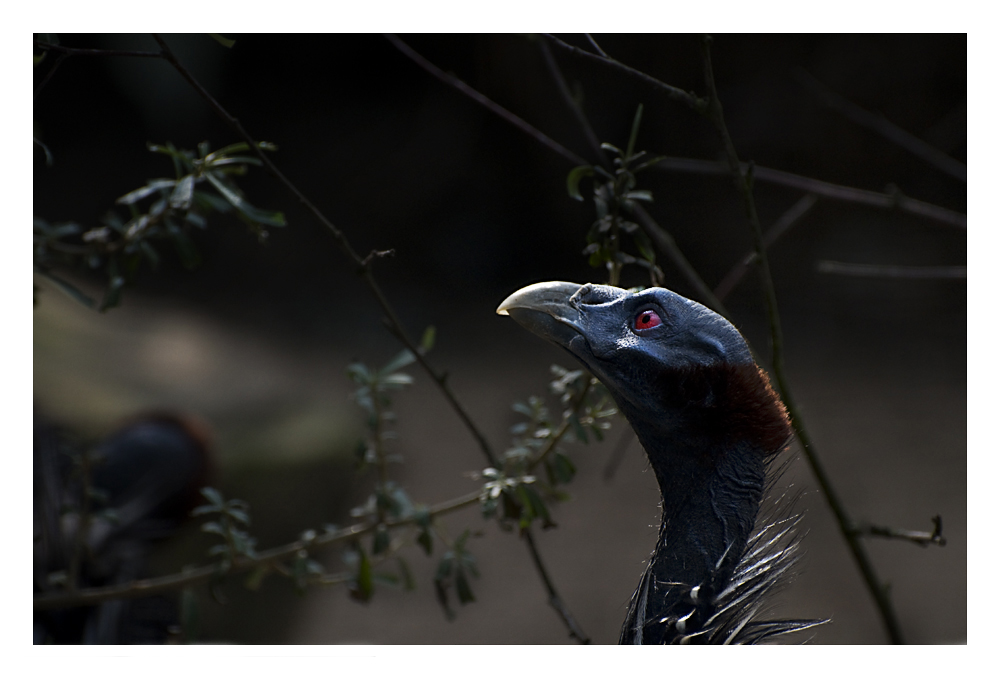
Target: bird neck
710	500
708	441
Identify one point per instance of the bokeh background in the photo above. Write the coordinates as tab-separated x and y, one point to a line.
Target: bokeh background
255	341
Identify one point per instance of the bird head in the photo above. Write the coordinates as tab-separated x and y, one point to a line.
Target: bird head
675	367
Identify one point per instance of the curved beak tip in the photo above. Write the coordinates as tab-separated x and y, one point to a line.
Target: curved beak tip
537	296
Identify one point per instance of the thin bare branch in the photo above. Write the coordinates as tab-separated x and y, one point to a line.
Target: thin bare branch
459	85
574	105
687	98
919	537
78	52
148	587
879	124
364	266
785	222
575	631
593	43
821	188
744	182
48	76
892	270
665	243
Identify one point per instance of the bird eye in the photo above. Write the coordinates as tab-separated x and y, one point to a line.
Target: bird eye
647	319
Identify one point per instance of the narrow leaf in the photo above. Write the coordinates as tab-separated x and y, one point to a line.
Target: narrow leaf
427	342
225	42
635	132
237	201
573	180
150	188
402	359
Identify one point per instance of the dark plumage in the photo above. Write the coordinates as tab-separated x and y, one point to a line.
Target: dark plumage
148	473
710	424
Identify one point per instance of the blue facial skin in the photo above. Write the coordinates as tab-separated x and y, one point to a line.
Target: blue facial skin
597	324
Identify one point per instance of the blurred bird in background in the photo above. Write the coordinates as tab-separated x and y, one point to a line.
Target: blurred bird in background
98	513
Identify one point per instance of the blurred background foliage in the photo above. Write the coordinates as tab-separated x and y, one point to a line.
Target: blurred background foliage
255	340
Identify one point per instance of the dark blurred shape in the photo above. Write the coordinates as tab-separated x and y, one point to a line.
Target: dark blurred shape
142	481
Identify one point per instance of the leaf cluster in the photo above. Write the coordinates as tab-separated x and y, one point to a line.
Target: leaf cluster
615	198
515	494
453	572
175	206
232	518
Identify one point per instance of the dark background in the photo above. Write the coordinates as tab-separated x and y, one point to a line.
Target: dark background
256	339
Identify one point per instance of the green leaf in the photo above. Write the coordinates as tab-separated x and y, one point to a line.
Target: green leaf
462	587
359	373
225	42
643	195
233	160
400	360
611	147
563	467
396	380
150	188
68	289
239	515
213	496
427	341
406	575
573	180
210	201
256	577
441	590
238	147
237	201
645	246
183	193
363	581
112	297
635	132
425	540
647	163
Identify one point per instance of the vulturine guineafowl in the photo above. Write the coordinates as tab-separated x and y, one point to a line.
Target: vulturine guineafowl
711	424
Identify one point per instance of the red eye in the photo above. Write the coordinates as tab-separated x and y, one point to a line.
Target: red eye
647	319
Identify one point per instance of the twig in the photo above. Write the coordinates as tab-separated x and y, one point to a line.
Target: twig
459	85
395	324
891	270
575	631
664	241
847	194
48	76
922	538
364	264
687	98
563	426
744	184
789	219
879	124
140	588
593	43
78	52
574	105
